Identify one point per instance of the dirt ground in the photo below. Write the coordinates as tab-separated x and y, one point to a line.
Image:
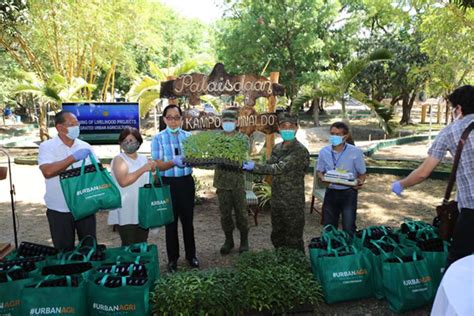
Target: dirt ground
377	206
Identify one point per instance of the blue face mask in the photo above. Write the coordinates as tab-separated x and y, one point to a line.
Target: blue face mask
336	140
288	134
73	132
228	126
173	130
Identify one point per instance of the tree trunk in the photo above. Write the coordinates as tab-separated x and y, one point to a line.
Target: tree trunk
43	127
407	105
311	109
343	109
315	105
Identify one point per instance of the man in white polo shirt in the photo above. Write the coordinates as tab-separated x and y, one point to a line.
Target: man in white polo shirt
55	156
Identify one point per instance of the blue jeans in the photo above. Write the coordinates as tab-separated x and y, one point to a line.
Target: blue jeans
337	202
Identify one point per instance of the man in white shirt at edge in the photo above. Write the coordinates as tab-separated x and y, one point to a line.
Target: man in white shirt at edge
55	156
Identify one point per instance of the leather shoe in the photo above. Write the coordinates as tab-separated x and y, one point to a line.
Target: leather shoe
194	263
173	266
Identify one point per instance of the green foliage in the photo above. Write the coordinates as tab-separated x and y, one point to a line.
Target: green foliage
212	145
146	90
12	13
263	191
7	80
275	281
336	87
448	40
291	34
101	41
382	113
56	90
464	4
210	292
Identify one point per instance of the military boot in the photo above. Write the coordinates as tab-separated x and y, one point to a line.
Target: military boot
244	241
228	243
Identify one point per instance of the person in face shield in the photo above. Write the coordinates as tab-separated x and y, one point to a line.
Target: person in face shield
341	157
287	164
130	171
230	185
55	156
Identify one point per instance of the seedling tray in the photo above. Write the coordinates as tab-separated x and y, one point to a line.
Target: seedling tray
204	162
29	249
75	172
59	282
67	269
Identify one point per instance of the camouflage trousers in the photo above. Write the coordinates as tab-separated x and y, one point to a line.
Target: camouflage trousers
287	227
233	200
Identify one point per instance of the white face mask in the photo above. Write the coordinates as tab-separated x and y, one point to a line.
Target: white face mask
73	132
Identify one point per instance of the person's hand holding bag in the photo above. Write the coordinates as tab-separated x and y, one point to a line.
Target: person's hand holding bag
81	154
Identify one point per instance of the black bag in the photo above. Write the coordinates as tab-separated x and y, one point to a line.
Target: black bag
448	211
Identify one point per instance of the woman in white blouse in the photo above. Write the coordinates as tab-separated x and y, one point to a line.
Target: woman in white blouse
131	171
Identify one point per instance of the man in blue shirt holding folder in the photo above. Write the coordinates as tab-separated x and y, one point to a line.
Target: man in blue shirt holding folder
344	158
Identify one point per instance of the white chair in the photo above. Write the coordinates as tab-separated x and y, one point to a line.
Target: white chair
251	197
318	193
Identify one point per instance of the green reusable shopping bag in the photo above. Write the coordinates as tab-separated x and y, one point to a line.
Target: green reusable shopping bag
152	268
329	239
144	252
436	258
345	275
377	260
10	296
82	253
123	300
407	285
367	233
56	300
154	205
89	189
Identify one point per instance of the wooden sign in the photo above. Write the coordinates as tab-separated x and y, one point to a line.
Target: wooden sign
248	121
219	82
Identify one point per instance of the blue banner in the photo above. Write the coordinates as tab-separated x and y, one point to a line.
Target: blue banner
103	122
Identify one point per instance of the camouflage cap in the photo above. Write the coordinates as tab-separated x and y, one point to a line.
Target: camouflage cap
287	117
229	115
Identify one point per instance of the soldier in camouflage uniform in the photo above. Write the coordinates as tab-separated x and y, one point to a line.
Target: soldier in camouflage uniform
287	164
231	193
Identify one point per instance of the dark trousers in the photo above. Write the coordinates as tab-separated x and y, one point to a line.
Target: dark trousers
287	227
132	234
182	197
463	236
337	202
63	229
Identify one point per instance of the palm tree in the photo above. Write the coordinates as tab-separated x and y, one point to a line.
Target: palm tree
52	93
146	90
338	88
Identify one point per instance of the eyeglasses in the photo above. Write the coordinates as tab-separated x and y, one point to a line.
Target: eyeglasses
173	118
71	125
